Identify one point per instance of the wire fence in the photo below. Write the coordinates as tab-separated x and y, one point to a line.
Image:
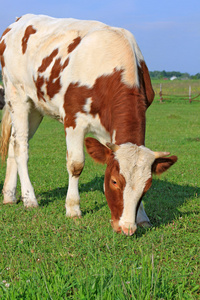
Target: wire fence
189	97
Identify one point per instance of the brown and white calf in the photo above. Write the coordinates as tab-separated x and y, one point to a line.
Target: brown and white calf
92	78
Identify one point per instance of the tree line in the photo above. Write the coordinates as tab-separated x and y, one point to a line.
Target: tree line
179	75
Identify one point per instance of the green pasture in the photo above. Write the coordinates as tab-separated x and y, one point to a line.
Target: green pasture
177	90
44	255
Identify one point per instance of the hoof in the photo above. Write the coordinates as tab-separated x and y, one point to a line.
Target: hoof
145	224
73	215
73	211
9	202
9	197
76	218
30	204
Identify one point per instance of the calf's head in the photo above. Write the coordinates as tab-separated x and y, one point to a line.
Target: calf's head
128	177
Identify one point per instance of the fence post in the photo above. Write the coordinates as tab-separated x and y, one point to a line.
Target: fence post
190	100
161	98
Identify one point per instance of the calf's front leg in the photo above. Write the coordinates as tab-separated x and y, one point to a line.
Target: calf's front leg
75	164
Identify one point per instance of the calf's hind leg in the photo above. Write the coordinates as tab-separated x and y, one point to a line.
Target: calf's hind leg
10	183
24	126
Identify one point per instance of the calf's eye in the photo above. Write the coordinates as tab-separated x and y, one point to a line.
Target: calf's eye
114	183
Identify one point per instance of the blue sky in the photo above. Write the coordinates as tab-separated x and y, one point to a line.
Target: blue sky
168	32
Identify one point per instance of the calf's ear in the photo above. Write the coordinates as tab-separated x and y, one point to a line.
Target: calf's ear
161	165
97	151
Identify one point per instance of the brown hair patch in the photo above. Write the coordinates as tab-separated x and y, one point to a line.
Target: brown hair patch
6	31
2	62
29	30
53	84
2	49
65	64
74	44
74	100
147	185
47	61
39	83
119	107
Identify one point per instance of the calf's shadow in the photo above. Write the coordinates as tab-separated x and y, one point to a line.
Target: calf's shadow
162	202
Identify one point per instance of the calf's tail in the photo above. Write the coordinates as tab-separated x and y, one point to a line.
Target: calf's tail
5	133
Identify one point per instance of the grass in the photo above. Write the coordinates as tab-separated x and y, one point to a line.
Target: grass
177	90
44	255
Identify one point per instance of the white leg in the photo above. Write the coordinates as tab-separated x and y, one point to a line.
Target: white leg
75	164
10	183
19	106
142	220
20	123
9	189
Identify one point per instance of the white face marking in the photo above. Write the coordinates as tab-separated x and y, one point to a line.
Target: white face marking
135	165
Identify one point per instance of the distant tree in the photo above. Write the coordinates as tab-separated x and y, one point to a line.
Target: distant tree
155	74
165	74
197	76
0	75
185	75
